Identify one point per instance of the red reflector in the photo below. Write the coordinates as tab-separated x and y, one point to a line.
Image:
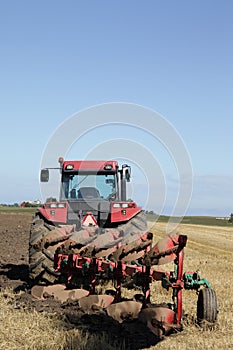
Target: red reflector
131	205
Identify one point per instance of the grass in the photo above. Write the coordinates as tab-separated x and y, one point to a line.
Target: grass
191	220
24	330
205	220
209	249
21	329
17	210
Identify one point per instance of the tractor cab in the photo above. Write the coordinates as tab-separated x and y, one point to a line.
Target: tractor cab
89	181
93	187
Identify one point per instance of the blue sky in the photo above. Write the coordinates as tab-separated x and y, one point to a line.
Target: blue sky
172	56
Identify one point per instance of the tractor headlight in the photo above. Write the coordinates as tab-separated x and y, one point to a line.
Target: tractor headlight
108	167
116	205
61	205
70	167
53	205
124	205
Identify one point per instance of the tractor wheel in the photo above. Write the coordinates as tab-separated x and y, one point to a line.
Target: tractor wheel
139	221
136	226
43	242
207	308
130	231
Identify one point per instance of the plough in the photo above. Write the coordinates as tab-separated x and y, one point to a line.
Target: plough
94	235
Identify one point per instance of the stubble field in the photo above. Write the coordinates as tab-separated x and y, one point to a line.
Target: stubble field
26	324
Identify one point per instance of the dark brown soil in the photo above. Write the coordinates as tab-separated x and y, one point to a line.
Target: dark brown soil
14	240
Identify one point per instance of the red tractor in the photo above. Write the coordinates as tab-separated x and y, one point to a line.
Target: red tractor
95	234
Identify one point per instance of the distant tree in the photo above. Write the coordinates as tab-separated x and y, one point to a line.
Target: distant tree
231	218
51	199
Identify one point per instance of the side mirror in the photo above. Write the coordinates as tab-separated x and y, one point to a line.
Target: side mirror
128	174
44	175
126	170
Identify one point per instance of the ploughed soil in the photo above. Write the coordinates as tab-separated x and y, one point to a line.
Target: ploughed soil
14	241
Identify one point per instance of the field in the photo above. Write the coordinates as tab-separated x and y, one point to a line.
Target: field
27	324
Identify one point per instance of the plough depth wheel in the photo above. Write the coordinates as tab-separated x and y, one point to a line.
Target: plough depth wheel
207	308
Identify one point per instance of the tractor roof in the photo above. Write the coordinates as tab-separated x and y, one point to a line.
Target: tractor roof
90	165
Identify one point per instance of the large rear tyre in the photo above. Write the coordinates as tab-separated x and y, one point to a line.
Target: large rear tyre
134	227
139	222
44	239
207	308
127	232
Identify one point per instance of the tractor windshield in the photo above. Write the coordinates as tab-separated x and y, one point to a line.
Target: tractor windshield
87	186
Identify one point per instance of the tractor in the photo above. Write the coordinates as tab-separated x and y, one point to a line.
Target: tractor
94	234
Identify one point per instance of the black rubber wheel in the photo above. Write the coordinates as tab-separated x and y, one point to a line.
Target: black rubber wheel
207	308
137	225
45	238
41	255
139	221
130	230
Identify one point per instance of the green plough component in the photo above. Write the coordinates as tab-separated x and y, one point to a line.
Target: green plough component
192	280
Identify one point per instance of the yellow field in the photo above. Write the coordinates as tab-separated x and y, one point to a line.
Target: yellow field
209	249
